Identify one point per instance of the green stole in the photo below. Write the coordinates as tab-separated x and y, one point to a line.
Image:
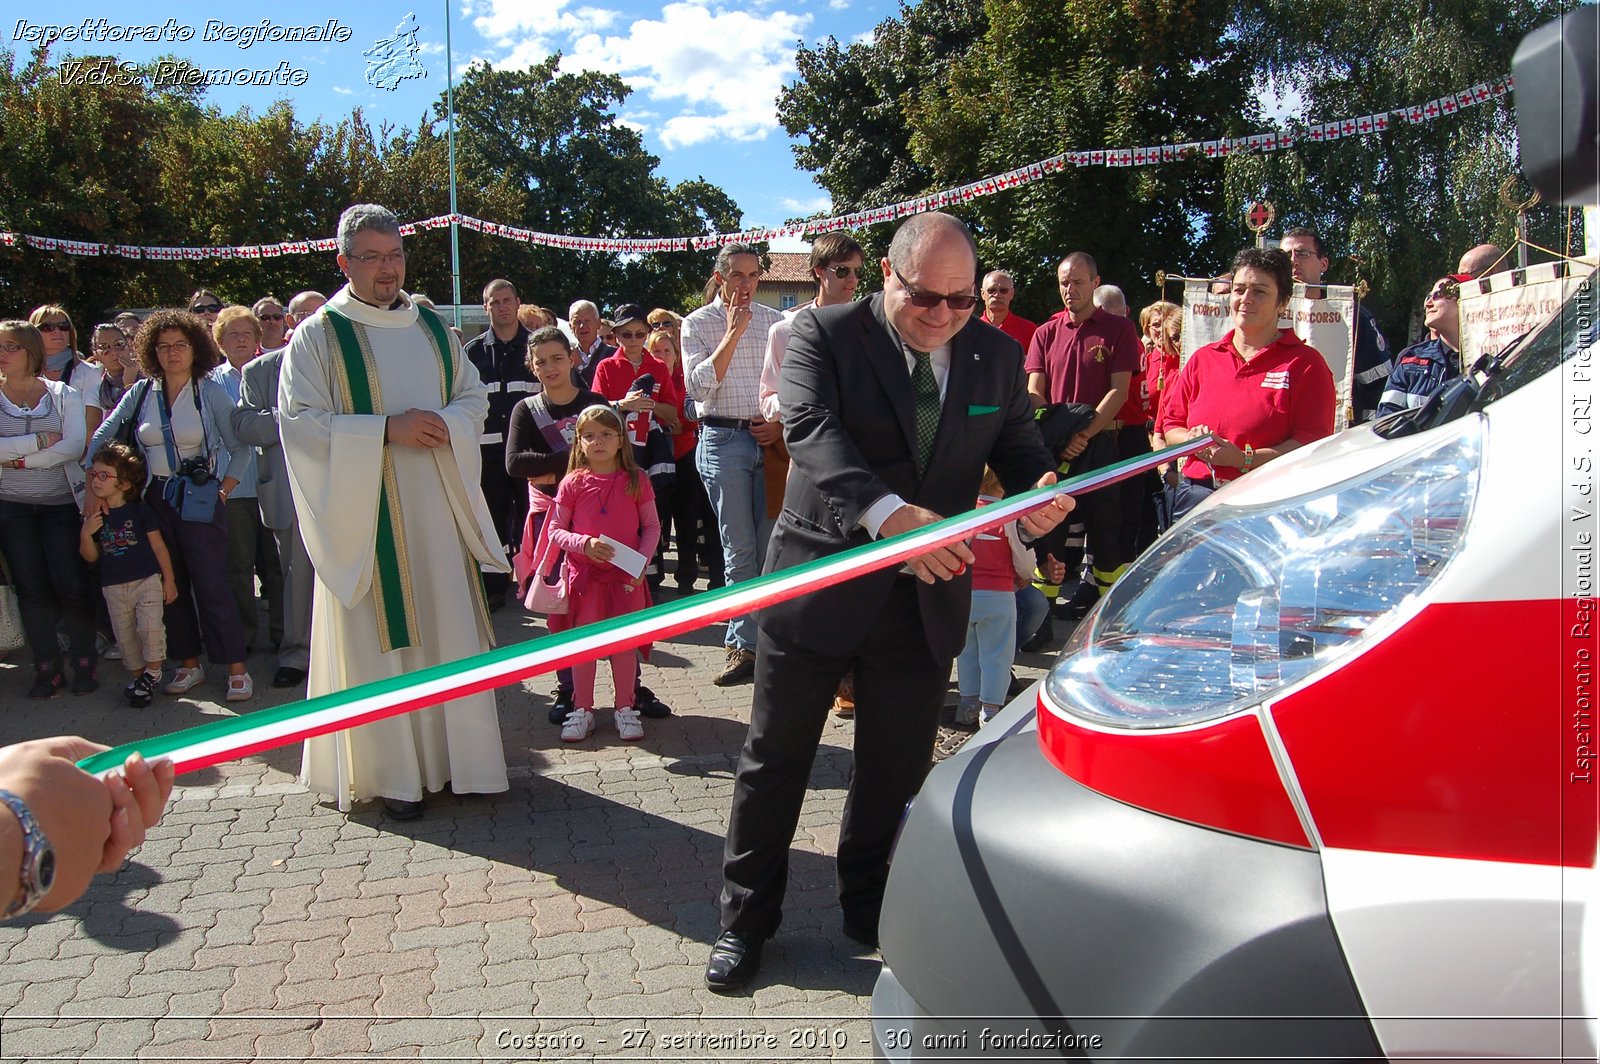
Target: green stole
357	372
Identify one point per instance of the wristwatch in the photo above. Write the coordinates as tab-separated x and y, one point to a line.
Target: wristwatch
38	873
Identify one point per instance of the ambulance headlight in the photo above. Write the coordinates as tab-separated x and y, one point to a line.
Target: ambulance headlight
1243	599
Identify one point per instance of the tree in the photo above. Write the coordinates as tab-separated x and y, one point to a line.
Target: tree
1397	209
105	155
1048	77
848	103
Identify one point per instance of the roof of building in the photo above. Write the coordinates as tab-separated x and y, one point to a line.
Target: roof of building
789	267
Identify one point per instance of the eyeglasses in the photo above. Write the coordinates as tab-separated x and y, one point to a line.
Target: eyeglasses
1445	291
630	335
53	326
98	475
842	272
270	317
929	300
372	258
176	347
11	349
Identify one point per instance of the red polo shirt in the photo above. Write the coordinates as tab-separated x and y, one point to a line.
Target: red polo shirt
1017	327
1078	360
1285	392
615	375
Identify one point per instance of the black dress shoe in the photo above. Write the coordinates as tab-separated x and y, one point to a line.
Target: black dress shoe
735	960
400	809
287	677
866	934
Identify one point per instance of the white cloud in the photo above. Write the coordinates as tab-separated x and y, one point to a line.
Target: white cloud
342	91
806	206
838	5
714	72
430	47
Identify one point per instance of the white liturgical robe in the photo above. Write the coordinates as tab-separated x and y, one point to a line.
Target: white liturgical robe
336	471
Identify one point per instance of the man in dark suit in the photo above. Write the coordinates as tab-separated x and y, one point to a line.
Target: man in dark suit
892	408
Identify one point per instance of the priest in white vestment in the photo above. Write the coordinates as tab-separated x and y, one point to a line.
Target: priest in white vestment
380	415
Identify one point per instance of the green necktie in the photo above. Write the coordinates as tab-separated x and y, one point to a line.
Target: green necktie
925	390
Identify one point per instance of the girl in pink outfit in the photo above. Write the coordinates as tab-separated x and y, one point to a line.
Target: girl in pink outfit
603	494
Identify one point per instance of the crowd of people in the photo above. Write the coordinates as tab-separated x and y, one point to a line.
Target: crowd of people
386	486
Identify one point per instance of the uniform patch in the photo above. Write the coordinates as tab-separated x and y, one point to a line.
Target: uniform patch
1278	378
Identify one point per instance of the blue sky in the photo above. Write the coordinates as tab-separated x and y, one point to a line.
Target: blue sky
705	75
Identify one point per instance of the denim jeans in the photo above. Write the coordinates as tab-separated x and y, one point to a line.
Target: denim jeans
1032	608
984	667
729	461
40	543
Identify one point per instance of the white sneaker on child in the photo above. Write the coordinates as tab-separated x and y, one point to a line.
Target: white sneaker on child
628	727
578	726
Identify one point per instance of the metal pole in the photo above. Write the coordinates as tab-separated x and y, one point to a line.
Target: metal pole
450	115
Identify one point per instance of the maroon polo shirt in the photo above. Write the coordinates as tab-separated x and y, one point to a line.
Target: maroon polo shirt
1078	360
1017	327
1285	392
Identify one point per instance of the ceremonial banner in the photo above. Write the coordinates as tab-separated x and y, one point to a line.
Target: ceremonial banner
1327	324
236	737
1497	309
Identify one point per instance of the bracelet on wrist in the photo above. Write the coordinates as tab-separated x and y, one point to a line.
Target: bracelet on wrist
1249	456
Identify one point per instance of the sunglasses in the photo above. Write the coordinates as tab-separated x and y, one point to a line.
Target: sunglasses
54	326
1445	291
205	308
842	272
656	326
629	335
270	317
929	300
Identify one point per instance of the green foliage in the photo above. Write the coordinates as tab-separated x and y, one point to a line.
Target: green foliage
115	159
951	90
1397	209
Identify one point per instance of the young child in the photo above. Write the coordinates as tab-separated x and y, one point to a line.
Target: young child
135	568
1000	565
603	494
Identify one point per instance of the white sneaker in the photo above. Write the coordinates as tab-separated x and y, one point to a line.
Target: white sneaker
241	688
184	679
628	727
578	726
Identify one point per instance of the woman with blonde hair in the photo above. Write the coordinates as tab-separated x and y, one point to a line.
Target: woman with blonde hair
63	362
41	444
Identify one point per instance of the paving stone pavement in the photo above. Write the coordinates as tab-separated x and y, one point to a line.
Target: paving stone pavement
567	919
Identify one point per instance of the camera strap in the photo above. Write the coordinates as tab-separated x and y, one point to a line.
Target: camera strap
166	427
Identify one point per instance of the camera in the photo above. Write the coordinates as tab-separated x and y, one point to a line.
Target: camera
196	470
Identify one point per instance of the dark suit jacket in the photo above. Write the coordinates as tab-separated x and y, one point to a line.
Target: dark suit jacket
849	422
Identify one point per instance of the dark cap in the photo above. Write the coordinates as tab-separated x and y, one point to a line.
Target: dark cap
626	313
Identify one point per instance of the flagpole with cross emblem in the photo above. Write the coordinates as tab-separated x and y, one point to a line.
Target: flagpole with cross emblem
1259	217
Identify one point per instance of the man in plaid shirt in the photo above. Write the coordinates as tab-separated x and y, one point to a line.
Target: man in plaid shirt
724	344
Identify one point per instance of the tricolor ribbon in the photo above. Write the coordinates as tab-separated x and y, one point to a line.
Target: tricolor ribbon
235	737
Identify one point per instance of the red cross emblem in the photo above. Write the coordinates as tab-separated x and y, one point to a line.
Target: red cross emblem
1366	125
1432	109
1450	106
1260	215
1480	92
1380	122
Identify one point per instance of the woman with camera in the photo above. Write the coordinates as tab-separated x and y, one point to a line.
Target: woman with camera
181	421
